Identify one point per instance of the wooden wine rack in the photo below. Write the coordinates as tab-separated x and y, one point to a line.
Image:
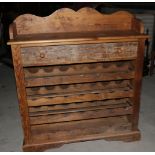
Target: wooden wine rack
77	78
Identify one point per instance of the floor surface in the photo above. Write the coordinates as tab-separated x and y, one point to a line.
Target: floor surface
11	131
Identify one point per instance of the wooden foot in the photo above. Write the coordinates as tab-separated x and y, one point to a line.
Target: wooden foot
134	136
40	147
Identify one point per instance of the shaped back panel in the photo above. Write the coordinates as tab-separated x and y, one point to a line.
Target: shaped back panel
67	20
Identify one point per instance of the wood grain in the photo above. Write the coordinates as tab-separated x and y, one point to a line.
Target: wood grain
83	109
80	115
77	106
105	131
66	131
68	54
137	83
78	76
81	78
86	68
21	92
79	87
67	20
80	97
75	38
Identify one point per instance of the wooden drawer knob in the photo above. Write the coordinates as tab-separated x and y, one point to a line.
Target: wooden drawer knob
42	55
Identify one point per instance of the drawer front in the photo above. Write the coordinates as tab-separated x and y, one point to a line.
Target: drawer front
68	54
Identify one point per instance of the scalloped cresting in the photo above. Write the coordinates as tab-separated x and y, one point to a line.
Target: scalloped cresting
68	20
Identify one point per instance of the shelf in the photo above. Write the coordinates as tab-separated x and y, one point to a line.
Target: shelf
105	109
112	104
76	106
78	73
75	37
80	97
77	88
74	69
80	78
80	130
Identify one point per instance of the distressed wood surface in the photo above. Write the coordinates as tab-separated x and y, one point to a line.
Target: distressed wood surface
126	136
81	78
64	126
70	27
74	70
137	83
79	105
21	92
75	38
66	54
87	68
72	130
87	96
80	110
68	20
79	87
74	116
113	128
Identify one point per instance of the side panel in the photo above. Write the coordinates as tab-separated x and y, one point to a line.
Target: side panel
21	91
137	83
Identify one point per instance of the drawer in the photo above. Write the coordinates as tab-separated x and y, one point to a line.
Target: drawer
68	54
